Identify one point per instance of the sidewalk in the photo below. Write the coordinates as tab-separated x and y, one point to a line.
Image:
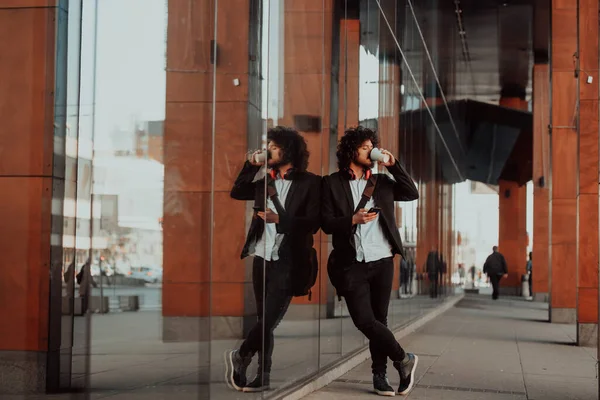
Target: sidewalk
483	349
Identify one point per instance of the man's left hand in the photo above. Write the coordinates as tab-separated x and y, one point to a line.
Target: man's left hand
391	161
269	216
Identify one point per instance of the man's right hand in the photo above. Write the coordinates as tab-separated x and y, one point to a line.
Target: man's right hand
362	217
252	158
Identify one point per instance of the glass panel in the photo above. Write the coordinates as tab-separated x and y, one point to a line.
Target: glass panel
77	209
430	143
243	95
66	121
283	115
300	40
148	325
343	110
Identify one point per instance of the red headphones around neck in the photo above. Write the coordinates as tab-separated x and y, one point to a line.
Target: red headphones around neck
352	176
289	174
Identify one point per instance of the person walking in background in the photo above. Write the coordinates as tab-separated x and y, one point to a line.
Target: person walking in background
412	269
472	272
495	268
404	275
443	269
529	268
461	275
86	282
432	266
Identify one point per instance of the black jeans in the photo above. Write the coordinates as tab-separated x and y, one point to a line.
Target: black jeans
367	289
273	297
495	279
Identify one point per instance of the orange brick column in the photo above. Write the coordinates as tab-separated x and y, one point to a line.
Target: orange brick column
512	235
422	245
307	65
564	149
541	182
448	232
31	177
197	276
429	231
348	82
587	199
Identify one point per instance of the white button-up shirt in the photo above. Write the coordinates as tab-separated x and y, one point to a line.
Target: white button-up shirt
371	243
268	245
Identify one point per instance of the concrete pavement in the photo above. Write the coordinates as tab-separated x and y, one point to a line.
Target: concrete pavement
480	349
489	350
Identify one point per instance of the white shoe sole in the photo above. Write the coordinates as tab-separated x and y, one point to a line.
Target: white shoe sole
256	390
229	370
385	393
412	378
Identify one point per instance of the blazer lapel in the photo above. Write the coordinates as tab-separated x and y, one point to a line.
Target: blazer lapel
346	186
376	189
290	195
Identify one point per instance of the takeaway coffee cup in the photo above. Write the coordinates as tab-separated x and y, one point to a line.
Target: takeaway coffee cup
260	158
377	155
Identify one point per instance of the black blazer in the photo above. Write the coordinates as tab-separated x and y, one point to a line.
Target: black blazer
338	209
299	222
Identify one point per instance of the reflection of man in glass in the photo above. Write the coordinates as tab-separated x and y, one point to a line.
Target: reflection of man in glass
281	240
473	271
443	270
85	280
412	270
404	275
433	267
365	240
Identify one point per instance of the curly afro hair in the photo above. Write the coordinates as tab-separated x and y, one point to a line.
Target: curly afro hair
293	144
351	141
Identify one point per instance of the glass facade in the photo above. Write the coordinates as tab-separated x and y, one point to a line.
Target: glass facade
157	105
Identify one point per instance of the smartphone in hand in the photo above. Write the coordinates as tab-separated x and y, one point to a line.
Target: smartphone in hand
375	210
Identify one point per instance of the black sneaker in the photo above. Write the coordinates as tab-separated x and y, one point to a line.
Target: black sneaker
406	368
382	385
235	370
259	384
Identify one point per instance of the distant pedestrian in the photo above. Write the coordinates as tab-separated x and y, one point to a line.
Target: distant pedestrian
473	271
433	266
85	281
404	275
529	268
495	268
461	275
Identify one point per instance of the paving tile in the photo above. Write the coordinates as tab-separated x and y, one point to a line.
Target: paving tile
553	387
